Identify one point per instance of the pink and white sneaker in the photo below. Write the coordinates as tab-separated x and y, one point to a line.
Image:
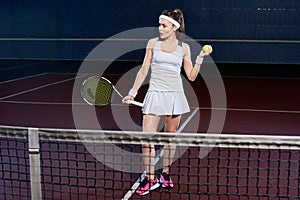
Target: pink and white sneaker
147	186
165	180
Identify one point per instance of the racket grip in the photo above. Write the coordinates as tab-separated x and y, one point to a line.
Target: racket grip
135	103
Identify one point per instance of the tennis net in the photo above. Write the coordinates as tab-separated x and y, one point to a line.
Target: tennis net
88	164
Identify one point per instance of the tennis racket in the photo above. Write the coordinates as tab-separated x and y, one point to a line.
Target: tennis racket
99	91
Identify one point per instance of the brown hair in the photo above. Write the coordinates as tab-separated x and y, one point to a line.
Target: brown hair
178	16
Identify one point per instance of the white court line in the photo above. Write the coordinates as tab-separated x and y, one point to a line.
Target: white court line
144	39
37	88
157	158
201	108
252	110
263	77
22	78
42	103
22	66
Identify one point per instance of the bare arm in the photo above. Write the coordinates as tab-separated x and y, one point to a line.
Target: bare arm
142	73
190	70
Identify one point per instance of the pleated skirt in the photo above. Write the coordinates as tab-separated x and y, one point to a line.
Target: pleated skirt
165	103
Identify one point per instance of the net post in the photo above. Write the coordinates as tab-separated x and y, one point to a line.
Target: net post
34	162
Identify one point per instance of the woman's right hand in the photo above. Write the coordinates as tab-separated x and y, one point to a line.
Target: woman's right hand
125	99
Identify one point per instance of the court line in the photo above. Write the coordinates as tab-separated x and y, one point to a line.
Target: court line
203	75
257	77
252	110
201	108
157	158
23	66
40	103
37	88
146	39
22	78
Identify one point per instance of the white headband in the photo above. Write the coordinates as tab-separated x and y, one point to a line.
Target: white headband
170	20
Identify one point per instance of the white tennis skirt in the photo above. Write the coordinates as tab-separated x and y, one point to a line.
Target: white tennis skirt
165	103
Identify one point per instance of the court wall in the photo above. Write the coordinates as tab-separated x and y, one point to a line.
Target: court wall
241	31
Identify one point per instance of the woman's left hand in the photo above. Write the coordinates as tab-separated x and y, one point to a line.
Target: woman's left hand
206	53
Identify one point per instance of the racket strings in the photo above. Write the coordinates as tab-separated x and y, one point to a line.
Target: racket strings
97	91
104	93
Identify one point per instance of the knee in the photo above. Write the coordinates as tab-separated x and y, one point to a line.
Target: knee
171	129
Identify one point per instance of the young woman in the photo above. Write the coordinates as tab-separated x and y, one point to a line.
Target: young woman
165	56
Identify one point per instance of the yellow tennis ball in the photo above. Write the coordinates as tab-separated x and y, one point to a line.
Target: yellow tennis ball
206	48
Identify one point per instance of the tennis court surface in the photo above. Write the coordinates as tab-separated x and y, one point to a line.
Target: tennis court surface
256	156
240	140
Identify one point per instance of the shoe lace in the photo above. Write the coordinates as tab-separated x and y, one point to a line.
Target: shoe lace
166	176
144	182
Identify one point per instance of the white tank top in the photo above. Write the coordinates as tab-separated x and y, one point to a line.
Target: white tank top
166	68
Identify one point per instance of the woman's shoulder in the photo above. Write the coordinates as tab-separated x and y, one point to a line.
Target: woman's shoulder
152	42
184	44
185	47
154	39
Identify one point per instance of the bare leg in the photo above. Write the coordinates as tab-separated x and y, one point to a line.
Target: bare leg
150	124
172	124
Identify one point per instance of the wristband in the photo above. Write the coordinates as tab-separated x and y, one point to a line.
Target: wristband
132	93
199	60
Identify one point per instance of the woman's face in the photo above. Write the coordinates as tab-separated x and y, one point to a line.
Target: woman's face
166	28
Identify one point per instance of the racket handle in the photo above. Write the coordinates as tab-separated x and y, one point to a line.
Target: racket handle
135	103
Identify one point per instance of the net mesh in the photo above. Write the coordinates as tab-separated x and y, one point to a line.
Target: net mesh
14	164
79	164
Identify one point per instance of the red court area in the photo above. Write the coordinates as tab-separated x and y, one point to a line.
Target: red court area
254	105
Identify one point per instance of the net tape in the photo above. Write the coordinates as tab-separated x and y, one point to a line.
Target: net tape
158	138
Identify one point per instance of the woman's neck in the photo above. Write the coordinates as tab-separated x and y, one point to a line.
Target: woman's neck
169	44
171	39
